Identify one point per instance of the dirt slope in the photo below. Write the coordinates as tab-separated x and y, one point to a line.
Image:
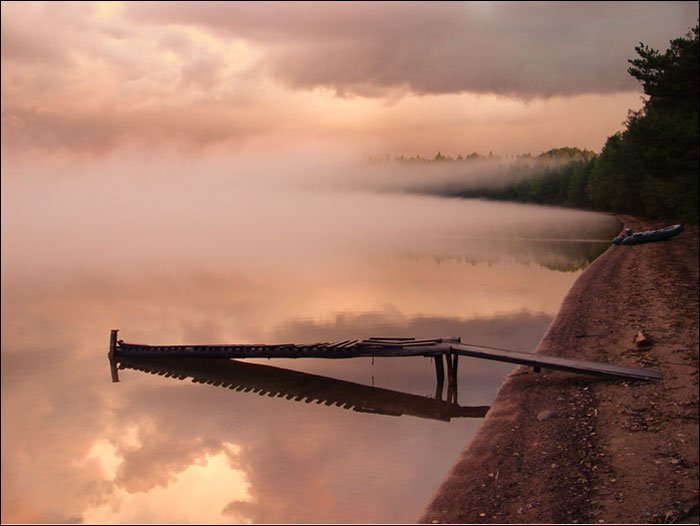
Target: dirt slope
559	447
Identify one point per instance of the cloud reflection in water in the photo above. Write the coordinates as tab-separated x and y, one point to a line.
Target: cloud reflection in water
345	275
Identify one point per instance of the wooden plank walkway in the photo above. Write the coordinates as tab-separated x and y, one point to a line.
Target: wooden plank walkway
382	347
555	362
341	349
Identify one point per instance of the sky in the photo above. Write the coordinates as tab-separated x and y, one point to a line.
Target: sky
85	80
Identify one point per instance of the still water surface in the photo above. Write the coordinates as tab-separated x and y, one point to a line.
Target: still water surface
266	441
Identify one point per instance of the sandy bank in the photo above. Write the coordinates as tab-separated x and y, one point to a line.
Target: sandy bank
558	447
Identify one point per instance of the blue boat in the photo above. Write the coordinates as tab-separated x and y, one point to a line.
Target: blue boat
648	236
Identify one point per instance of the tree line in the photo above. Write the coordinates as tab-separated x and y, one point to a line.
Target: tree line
649	169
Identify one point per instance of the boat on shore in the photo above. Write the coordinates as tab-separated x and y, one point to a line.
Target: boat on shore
648	236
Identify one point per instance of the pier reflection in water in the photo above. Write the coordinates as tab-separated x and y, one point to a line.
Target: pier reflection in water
266	380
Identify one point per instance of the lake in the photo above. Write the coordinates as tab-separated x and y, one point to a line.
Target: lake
302	441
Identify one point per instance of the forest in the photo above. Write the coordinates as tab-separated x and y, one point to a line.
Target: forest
649	169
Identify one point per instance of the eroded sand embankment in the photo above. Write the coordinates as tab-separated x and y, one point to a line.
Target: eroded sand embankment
559	447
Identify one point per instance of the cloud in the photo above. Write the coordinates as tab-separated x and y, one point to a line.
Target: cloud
534	49
308	459
82	79
97	83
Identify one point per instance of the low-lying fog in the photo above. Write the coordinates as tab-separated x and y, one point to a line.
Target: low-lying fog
298	248
132	217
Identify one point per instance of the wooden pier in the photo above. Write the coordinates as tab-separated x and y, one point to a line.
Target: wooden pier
450	348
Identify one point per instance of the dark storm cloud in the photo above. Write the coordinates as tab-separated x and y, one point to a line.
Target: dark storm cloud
510	48
84	79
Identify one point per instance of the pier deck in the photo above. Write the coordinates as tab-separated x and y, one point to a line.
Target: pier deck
451	348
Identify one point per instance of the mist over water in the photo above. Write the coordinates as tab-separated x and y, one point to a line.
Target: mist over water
419	176
238	250
267	213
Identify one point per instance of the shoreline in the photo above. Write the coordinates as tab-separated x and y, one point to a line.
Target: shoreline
559	447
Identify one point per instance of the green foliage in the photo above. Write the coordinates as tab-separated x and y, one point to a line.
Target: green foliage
557	177
669	79
652	168
567	154
611	185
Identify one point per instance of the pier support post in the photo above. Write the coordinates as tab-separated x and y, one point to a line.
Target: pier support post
112	361
453	361
439	375
450	374
439	368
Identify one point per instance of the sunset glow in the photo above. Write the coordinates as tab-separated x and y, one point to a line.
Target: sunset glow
81	79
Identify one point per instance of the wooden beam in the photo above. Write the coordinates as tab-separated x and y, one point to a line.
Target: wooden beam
556	362
280	351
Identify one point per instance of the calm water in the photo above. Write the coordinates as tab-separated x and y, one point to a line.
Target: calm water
263	441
